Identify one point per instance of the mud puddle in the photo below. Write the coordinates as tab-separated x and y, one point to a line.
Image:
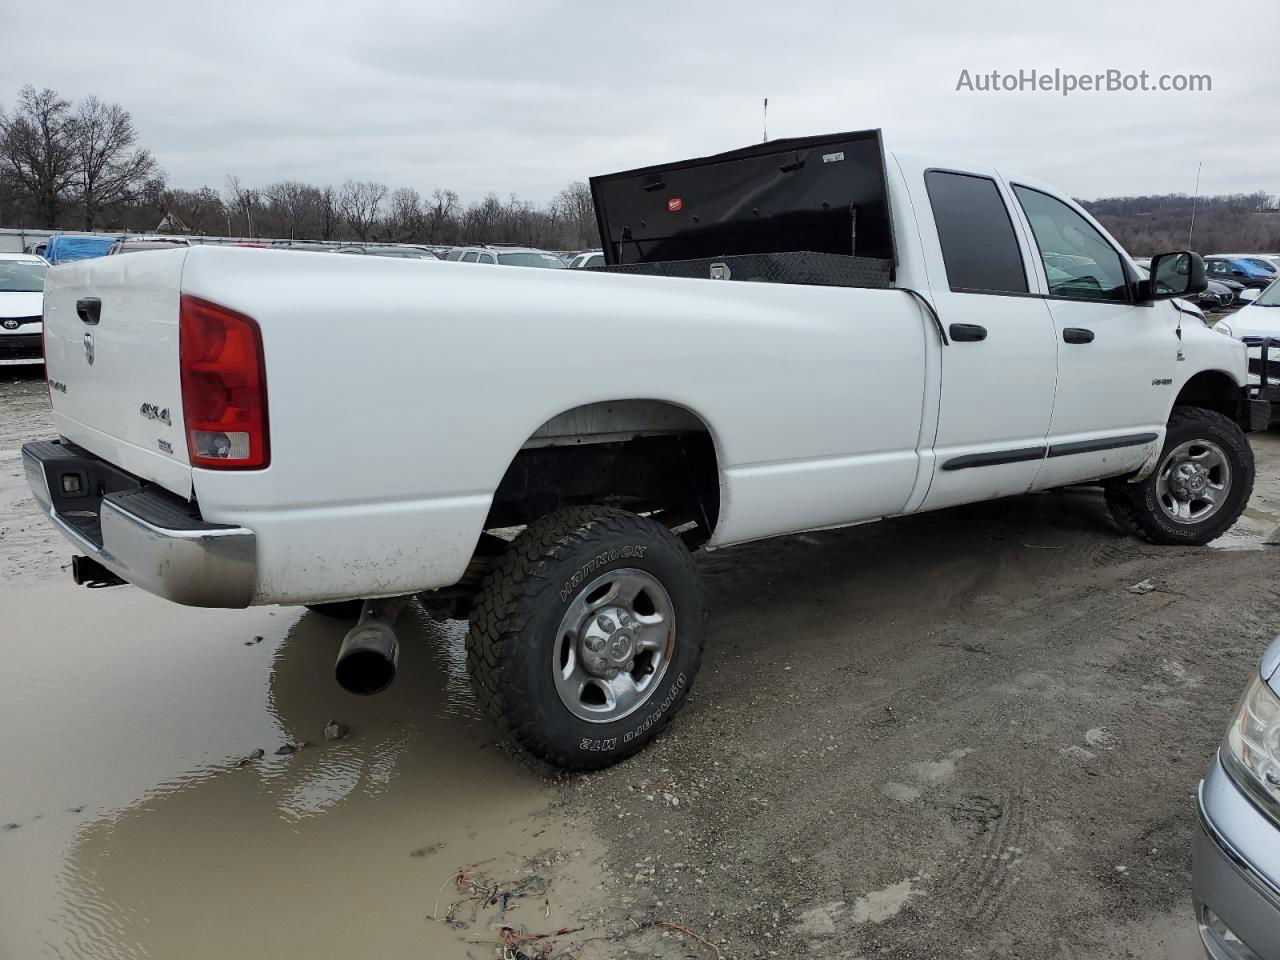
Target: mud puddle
135	821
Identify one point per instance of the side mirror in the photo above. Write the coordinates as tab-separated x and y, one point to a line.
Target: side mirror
1249	294
1177	274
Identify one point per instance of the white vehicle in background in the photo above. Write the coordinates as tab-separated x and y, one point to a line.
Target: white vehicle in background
588	258
21	308
801	334
505	256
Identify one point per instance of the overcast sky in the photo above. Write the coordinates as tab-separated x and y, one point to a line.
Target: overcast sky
526	96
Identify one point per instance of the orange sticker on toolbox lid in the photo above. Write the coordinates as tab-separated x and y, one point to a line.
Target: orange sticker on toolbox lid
675	204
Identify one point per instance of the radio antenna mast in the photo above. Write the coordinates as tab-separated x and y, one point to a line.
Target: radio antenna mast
1194	198
765	121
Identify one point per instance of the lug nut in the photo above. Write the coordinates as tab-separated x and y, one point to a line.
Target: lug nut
625	618
607	625
613	673
630	665
595	644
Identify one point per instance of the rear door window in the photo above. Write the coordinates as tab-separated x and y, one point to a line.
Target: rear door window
979	247
470	257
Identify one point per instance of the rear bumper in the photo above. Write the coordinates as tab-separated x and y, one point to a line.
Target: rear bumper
142	534
1235	885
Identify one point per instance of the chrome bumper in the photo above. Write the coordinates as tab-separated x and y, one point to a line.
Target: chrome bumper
1235	873
143	535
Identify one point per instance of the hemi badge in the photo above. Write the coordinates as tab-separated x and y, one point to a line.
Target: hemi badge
675	204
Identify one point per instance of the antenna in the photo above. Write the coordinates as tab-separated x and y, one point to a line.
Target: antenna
1194	198
765	121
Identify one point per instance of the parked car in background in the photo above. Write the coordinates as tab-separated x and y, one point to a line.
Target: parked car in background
1239	269
1236	852
138	244
1267	261
588	258
315	247
21	308
507	256
401	251
62	248
1255	320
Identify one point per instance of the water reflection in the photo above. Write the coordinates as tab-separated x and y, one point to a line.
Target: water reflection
308	853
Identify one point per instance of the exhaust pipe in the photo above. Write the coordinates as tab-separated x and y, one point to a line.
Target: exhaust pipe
370	652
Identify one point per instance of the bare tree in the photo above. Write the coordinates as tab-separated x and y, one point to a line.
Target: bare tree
442	217
288	199
109	170
37	150
201	210
574	207
405	218
327	212
360	203
241	200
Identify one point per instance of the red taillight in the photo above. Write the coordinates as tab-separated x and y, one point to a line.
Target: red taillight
224	387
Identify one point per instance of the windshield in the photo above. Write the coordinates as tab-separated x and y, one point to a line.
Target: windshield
1264	265
22	276
1269	297
531	260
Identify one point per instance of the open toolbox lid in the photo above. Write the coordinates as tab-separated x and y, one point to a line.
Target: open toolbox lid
824	194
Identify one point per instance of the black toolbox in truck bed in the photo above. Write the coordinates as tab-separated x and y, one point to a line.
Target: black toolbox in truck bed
804	210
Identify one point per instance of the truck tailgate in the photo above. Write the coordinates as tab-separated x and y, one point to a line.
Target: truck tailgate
112	365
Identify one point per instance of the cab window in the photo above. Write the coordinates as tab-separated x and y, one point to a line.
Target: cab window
1078	261
979	248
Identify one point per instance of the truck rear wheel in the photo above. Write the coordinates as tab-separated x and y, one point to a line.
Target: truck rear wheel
586	635
1199	487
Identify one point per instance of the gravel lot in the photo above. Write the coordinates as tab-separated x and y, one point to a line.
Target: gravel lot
957	734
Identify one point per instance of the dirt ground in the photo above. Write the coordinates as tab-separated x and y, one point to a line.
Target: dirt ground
951	735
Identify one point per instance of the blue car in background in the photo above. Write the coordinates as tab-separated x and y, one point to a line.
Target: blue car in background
62	248
1240	270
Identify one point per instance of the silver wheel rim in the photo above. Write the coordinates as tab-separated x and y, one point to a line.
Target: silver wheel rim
614	645
1193	481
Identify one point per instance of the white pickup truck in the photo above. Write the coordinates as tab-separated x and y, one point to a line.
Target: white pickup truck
802	334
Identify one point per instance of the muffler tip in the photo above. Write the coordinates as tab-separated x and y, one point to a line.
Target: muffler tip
367	659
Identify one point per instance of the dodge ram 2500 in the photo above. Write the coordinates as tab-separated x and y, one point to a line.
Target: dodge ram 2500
802	334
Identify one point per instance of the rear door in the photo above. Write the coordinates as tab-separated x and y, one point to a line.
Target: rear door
111	353
998	372
1117	358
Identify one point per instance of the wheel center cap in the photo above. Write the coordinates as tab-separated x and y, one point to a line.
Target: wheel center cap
620	646
1189	480
608	643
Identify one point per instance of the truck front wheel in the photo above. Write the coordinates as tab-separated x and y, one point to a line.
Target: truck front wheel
586	635
1199	487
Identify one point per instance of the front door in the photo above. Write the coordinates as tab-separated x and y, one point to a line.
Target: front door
1117	358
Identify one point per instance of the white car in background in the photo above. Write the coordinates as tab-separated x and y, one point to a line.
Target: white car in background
21	308
588	258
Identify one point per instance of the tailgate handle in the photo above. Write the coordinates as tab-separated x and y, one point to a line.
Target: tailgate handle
89	310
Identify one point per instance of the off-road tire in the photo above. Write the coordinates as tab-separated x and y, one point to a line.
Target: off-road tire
516	617
338	610
1134	506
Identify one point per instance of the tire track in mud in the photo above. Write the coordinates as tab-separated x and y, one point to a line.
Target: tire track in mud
984	878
